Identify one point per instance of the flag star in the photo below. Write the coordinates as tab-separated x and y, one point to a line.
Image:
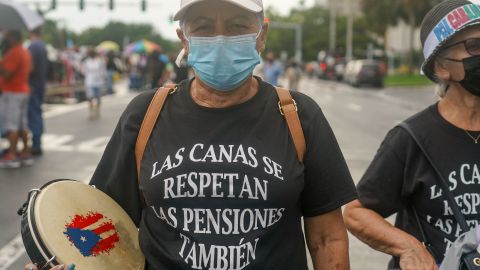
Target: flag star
83	239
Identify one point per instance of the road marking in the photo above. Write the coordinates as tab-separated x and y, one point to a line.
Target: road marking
96	145
11	252
56	110
53	142
63	143
63	109
355	107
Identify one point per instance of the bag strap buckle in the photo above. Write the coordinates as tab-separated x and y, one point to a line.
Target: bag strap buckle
280	107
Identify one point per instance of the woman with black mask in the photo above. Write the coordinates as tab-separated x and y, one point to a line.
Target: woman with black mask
403	180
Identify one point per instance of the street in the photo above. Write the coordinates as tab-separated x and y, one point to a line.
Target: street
73	146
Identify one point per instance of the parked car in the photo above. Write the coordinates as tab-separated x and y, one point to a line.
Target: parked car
364	72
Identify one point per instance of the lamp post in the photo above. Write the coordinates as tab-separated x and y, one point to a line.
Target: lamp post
298	28
333	25
350	18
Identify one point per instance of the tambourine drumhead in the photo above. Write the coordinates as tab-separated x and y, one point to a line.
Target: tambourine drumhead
80	224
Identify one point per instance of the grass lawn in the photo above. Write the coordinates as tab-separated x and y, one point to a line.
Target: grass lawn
407	80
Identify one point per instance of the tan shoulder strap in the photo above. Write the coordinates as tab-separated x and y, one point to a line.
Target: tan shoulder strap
288	108
148	124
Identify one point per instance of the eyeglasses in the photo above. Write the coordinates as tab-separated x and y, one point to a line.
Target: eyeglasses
472	46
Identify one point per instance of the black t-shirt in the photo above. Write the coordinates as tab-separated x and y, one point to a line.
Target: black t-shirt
223	187
400	177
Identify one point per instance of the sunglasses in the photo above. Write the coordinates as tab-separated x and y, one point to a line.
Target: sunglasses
472	46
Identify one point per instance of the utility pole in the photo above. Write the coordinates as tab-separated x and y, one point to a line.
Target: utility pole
350	18
298	28
333	25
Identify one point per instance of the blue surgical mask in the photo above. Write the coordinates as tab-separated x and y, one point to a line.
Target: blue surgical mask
222	62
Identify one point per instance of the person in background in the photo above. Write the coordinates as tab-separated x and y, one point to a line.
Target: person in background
272	69
37	81
95	74
111	69
155	69
2	52
15	68
294	74
401	180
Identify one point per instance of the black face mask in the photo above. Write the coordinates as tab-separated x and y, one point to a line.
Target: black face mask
471	82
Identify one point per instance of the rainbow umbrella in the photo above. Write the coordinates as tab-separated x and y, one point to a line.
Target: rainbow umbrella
142	46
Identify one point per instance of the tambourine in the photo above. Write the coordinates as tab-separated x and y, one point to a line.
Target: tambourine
66	221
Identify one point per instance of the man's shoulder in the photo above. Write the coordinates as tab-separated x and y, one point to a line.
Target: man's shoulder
140	103
14	54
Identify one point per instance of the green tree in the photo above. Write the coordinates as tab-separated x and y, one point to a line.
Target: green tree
384	13
118	32
315	33
55	35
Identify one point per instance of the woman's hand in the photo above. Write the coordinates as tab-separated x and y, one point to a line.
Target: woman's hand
417	258
372	229
58	267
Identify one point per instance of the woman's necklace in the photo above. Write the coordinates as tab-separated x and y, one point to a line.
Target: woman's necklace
476	140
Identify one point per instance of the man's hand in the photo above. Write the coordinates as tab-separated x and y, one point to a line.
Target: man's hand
417	258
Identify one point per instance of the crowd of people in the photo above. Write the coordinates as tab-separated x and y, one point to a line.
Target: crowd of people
24	73
29	69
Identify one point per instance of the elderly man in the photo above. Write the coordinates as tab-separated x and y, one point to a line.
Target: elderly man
224	184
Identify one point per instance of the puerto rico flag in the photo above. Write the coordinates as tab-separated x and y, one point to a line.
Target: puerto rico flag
92	234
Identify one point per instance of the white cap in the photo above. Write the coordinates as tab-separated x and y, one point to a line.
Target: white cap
254	6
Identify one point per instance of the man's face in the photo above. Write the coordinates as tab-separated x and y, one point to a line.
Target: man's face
224	19
270	57
11	38
221	19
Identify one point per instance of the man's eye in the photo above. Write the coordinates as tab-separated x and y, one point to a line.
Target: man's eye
202	28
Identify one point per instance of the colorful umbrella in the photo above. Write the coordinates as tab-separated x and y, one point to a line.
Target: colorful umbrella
142	46
14	15
108	46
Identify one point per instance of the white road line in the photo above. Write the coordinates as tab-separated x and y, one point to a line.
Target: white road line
52	142
11	252
355	107
96	145
57	110
63	109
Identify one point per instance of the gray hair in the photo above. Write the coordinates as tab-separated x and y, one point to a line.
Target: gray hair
442	85
441	88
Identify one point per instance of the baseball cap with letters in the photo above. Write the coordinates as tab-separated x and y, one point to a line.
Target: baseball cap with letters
441	24
254	6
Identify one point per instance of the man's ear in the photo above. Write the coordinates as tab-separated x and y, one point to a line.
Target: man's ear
441	71
262	39
183	39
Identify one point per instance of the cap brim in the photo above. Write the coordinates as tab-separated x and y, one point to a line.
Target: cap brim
245	4
427	68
